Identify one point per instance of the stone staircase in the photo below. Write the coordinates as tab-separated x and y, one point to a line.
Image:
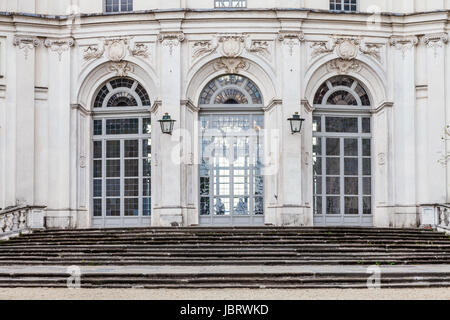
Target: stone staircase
249	257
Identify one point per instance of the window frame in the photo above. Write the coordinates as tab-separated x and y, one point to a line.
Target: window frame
342	2
120	7
216	6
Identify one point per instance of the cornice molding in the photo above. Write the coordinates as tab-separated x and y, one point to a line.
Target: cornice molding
154	108
273	103
308	107
382	106
190	105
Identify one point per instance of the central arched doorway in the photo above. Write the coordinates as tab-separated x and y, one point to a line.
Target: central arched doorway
231	150
342	151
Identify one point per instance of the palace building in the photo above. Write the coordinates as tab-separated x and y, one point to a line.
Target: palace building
122	113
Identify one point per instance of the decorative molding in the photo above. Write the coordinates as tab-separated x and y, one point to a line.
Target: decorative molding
190	105
347	48
93	52
382	106
82	109
308	107
371	49
139	50
154	108
403	43
321	47
381	159
231	65
343	66
259	47
121	68
171	40
272	104
232	44
435	41
59	45
204	48
26	43
291	40
116	48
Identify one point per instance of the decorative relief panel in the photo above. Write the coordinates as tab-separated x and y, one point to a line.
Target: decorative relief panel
116	49
231	46
347	48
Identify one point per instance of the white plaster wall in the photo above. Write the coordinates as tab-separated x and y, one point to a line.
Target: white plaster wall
61	7
414	84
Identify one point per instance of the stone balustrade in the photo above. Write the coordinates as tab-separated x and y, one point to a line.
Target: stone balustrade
17	220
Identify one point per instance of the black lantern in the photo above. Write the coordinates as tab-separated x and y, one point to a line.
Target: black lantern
296	123
167	124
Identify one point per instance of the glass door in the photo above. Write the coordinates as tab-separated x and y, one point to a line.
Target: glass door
231	179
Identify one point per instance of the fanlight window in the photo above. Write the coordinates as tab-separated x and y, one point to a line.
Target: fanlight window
231	89
342	90
122	92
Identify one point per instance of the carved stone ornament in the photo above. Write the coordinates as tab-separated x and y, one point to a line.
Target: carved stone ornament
59	45
381	159
93	52
347	48
291	40
26	43
139	50
231	65
171	40
232	45
120	68
435	41
116	49
343	66
258	47
203	48
404	43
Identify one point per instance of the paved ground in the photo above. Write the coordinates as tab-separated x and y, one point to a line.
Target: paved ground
225	294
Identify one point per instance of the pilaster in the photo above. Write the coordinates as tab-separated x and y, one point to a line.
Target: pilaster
403	54
168	208
290	198
25	117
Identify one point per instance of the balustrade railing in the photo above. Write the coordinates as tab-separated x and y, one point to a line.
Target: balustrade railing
21	219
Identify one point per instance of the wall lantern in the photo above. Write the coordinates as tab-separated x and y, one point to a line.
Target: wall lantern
296	123
167	124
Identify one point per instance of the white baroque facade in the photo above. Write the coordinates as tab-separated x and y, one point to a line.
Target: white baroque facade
82	93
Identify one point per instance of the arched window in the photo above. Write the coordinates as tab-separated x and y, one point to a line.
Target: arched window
122	92
342	90
121	155
231	89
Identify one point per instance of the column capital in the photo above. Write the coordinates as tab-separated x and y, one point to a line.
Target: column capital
403	43
59	45
26	43
171	39
434	40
